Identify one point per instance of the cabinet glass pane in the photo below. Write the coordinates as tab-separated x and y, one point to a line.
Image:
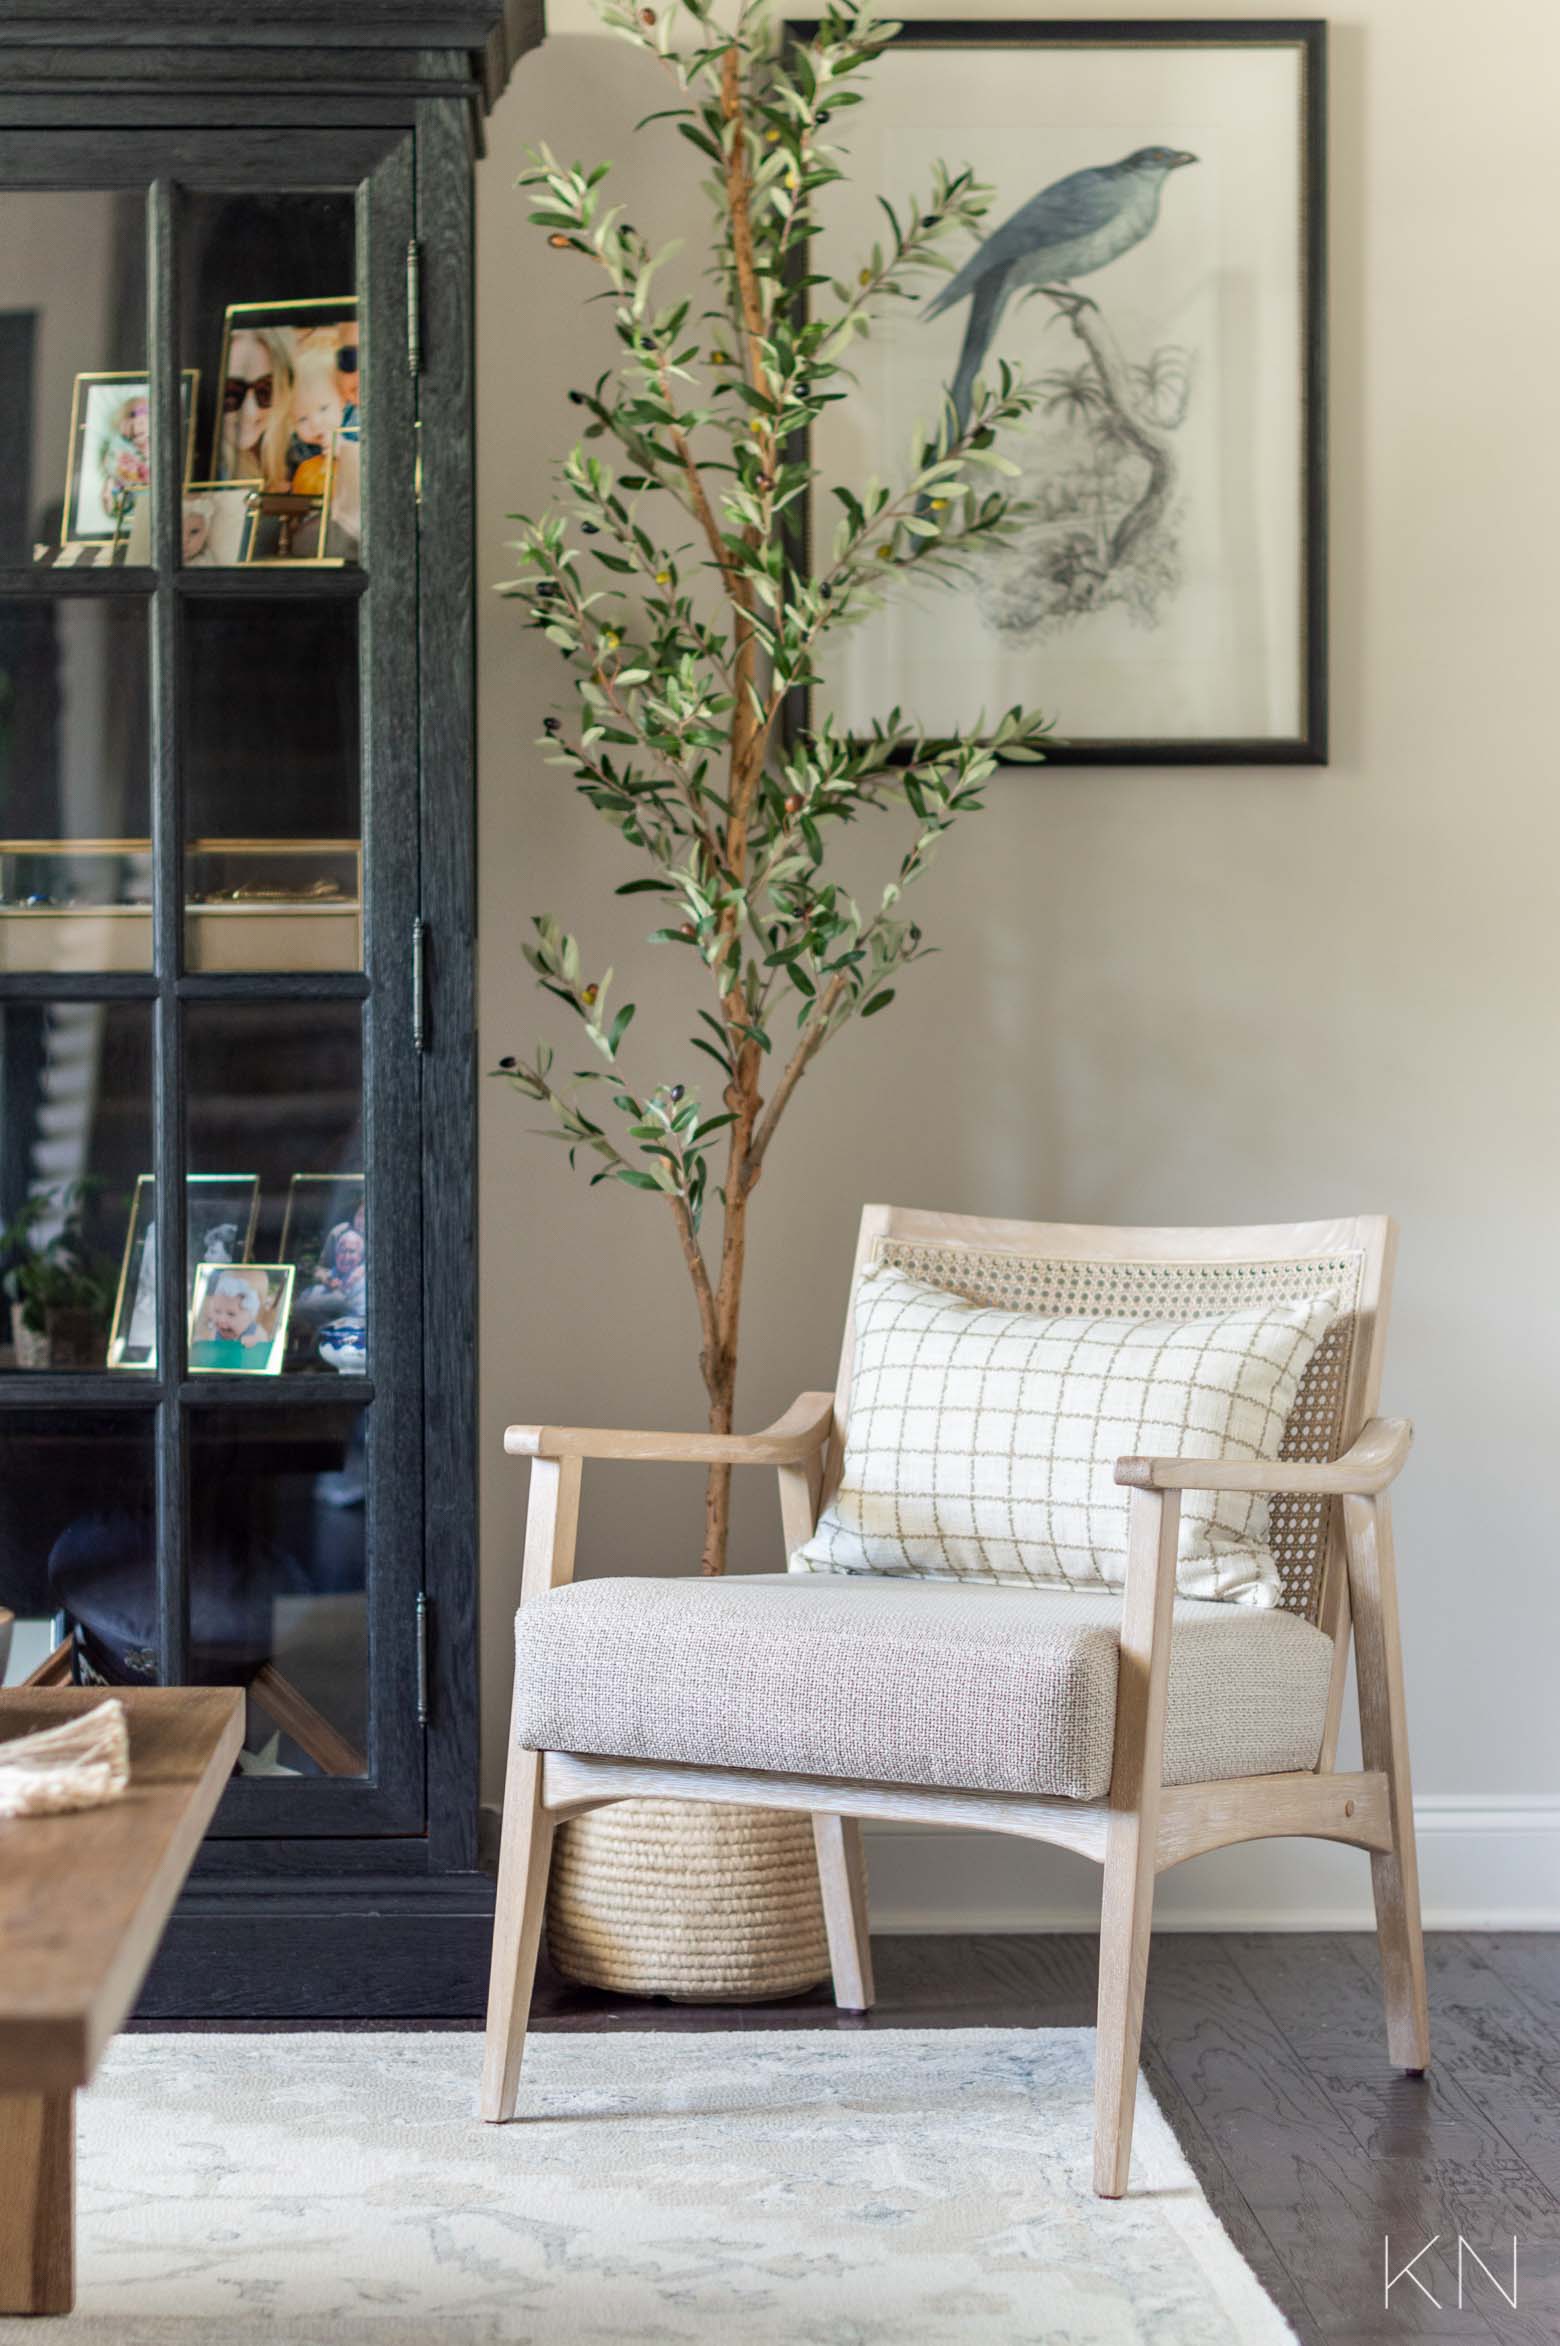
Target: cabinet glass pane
75	857
276	1093
272	791
277	1580
77	1539
270	320
75	1135
72	374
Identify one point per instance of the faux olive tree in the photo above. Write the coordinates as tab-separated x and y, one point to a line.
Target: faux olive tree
673	581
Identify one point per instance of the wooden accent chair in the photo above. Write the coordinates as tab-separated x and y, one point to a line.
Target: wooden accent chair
1331	1536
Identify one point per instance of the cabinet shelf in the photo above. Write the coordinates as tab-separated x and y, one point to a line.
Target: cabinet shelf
39	582
254	906
308	580
118	1389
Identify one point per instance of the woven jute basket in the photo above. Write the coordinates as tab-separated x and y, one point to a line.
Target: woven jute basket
678	1898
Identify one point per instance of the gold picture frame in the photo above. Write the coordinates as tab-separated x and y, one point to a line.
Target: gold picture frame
132	1335
238	1319
225	536
283	321
87	415
350	1185
285	508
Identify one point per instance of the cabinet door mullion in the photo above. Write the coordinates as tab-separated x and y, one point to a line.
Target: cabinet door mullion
167	926
391	1067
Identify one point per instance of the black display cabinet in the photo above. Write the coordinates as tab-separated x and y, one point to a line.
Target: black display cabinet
237	918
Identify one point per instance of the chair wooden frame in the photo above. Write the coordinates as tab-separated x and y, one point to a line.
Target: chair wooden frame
1143	1826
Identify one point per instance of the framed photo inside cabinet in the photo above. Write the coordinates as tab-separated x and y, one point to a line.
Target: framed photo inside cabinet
221	1211
287	385
238	1318
325	1238
1153	264
110	452
218	522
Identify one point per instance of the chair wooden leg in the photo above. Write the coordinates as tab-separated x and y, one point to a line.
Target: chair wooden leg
1384	1737
842	1878
1126	1919
1132	1837
525	1855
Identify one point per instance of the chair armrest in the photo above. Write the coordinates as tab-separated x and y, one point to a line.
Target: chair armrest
799	1435
1376	1458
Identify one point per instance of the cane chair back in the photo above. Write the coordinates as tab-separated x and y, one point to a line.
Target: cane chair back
1072	1270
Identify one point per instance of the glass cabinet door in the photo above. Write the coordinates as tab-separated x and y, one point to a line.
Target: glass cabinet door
210	1362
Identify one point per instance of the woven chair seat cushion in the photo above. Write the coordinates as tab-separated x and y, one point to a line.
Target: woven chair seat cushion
965	1688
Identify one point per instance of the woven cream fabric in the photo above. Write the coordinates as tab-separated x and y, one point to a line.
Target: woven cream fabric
981	1443
970	1689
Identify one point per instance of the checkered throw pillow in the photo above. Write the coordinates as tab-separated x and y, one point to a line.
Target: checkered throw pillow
982	1443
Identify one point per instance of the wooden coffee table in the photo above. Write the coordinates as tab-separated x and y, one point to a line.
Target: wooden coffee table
83	1901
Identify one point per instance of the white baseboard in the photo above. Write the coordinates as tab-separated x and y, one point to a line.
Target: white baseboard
1485	1862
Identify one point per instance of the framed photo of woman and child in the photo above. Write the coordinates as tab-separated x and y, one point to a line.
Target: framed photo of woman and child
288	425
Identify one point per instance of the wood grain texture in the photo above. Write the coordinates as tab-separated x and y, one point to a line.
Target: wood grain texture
193	155
1127	1905
842	1880
83	1898
55	1668
1375	1459
797	1436
37	2203
1384	1741
801	1493
1198	1817
446	722
524	1864
351	1944
552	1523
392	1082
574	1781
169	1101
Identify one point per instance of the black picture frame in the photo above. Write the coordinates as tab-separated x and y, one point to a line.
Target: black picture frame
1309	745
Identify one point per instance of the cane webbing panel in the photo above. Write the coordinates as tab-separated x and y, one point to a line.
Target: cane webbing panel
1068	1287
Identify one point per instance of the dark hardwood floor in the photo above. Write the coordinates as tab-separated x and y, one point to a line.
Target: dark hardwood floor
1268	2056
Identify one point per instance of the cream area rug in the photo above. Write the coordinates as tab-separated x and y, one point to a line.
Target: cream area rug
871	2188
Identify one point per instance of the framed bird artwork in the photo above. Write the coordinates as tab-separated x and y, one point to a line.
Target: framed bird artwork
1151	260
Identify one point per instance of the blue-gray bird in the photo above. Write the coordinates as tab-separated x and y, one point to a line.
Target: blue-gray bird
1069	229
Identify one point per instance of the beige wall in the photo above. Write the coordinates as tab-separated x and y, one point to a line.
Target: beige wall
1161	996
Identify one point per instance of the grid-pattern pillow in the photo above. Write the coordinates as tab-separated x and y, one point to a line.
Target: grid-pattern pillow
982	1443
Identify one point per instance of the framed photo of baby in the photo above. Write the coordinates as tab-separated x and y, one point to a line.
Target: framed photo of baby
238	1321
287	406
109	465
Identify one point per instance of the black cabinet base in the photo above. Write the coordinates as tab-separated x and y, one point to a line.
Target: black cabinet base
353	1950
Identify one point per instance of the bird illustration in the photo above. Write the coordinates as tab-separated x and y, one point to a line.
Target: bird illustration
1071	228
